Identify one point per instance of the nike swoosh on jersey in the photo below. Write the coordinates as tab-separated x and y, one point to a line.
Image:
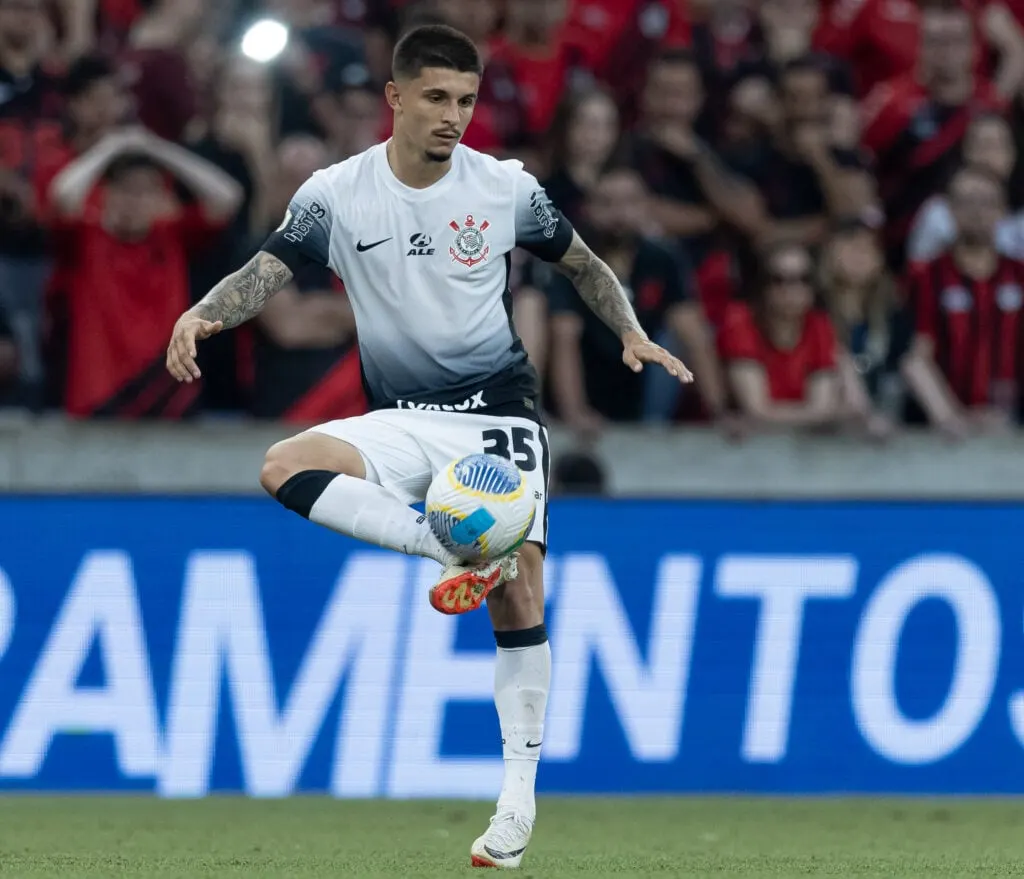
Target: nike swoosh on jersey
362	248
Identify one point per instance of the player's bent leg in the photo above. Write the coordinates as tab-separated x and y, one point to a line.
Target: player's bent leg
522	678
326	480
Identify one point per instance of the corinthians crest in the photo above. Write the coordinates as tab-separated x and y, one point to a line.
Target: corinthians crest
470	246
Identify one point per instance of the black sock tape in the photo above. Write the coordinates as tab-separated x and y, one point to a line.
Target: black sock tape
303	490
522	637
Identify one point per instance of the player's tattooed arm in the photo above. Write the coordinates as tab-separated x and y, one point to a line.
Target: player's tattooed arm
599	288
244	294
233	301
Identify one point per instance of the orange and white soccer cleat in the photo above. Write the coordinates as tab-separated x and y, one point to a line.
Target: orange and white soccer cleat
463	588
504	842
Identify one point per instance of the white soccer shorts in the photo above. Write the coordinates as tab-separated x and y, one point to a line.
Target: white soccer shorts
403	449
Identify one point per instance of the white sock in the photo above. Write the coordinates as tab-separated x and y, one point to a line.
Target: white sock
370	513
522	677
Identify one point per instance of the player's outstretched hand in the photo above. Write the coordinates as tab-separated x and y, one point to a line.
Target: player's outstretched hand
181	352
637	350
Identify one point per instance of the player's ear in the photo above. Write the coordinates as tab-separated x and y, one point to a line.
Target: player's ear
393	95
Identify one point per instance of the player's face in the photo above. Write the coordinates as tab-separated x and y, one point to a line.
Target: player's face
977	204
789	293
989	144
433	110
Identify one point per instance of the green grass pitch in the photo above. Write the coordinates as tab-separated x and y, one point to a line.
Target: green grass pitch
78	837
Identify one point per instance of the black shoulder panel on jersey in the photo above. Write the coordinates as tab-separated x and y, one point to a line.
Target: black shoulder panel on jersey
541	228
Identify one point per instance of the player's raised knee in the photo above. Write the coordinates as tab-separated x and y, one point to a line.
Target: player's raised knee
278	467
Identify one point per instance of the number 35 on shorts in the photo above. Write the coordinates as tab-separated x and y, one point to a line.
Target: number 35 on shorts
515	444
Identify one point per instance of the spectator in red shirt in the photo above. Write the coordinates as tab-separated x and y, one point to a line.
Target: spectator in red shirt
881	39
534	47
30	111
915	125
96	104
130	269
780	351
963	366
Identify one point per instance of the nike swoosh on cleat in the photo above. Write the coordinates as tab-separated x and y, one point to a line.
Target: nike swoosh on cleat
502	856
534	744
362	248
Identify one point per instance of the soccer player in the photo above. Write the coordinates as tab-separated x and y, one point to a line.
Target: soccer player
421	229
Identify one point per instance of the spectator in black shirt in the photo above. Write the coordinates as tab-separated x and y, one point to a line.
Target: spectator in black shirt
800	173
698	202
583	139
588	383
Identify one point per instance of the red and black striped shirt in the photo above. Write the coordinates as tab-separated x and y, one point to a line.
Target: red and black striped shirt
975	325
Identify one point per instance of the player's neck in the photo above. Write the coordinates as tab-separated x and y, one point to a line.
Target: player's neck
978	261
412	169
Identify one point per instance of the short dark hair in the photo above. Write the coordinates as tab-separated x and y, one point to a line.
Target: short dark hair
435	45
85	73
124	165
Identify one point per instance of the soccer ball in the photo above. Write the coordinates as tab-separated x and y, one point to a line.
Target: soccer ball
480	507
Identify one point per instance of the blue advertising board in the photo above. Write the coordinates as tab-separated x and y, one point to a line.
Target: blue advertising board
186	646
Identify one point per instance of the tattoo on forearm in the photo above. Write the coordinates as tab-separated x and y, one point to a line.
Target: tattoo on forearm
599	288
244	294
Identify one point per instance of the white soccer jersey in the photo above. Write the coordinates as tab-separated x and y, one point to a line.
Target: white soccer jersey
426	271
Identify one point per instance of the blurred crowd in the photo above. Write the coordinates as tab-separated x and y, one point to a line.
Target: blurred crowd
817	205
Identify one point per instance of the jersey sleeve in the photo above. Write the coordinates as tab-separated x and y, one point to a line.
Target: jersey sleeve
541	228
304	236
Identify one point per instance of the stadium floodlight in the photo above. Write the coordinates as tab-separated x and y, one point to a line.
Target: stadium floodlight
265	40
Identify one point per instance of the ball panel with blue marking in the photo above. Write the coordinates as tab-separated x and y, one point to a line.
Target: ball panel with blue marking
480	507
